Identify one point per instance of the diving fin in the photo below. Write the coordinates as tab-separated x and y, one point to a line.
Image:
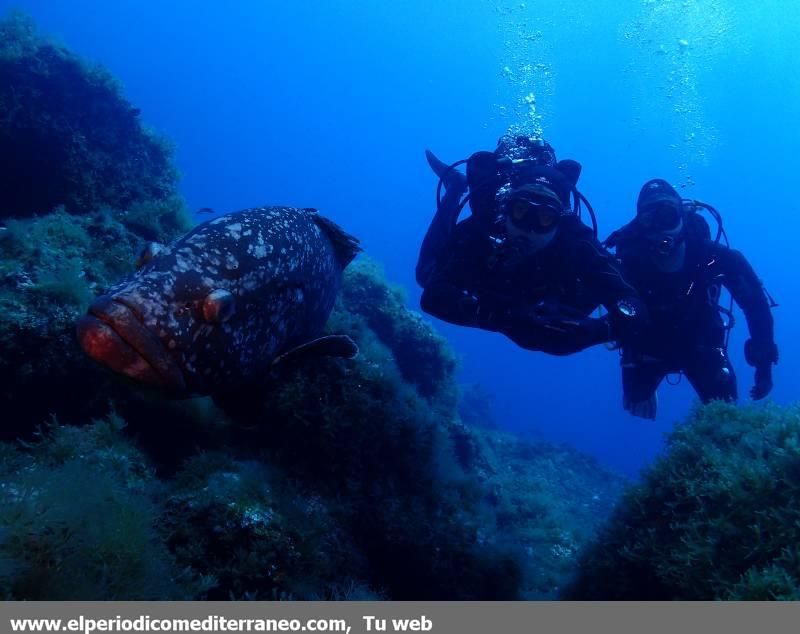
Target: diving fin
452	177
328	346
571	169
642	409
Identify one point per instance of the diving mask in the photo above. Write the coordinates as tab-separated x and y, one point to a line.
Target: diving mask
661	216
533	208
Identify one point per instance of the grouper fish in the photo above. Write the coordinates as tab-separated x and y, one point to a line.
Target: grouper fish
220	306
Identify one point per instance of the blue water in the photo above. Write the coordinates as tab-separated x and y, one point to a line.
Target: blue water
331	104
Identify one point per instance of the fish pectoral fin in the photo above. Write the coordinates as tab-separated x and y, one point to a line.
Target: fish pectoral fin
328	346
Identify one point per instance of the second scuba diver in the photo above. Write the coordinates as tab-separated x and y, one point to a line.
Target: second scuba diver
668	254
523	263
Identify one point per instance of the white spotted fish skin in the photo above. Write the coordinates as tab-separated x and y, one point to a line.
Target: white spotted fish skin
283	269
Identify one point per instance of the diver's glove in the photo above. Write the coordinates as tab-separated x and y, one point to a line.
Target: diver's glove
490	317
549	315
492	312
761	357
503	316
763	383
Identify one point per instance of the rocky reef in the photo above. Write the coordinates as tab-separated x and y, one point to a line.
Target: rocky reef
66	120
87	186
340	479
715	518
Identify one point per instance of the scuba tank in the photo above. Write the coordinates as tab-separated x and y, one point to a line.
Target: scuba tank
489	176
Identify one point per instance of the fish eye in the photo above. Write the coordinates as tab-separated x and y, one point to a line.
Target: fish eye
185	307
218	306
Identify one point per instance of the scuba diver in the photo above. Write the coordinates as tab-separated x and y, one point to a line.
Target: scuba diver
523	263
668	254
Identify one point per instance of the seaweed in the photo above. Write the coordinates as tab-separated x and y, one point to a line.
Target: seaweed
715	518
79	520
245	533
418	350
336	479
76	141
437	509
89	184
475	406
51	267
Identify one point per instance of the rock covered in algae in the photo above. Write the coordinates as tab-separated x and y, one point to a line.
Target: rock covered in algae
76	141
89	184
715	518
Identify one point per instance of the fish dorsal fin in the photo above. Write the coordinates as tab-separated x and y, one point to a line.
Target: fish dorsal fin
328	346
345	245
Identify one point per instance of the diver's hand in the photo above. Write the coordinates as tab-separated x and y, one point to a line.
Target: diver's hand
536	316
761	356
492	312
763	383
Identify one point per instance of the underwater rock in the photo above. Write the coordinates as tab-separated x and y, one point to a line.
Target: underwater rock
240	528
50	268
543	501
419	351
339	481
475	406
79	518
216	309
715	518
75	140
358	436
87	186
426	500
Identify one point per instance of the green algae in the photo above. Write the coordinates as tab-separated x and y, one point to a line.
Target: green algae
715	518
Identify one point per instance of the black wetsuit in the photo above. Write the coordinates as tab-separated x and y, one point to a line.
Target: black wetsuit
685	332
441	229
542	301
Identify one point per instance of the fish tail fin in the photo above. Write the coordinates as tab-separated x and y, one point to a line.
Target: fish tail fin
345	245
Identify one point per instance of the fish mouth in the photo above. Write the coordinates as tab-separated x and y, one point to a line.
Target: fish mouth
112	333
